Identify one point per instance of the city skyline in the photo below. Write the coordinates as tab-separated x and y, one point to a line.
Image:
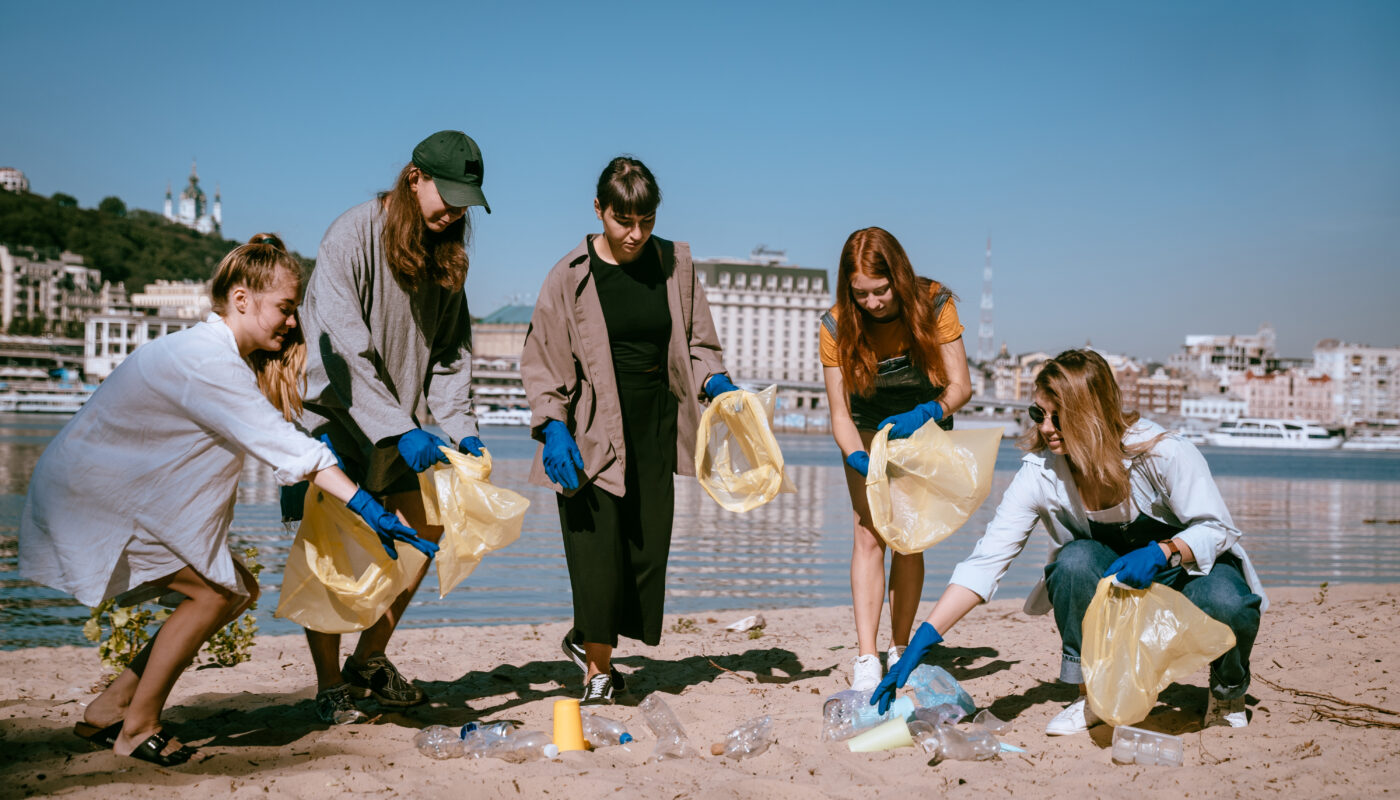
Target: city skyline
1145	171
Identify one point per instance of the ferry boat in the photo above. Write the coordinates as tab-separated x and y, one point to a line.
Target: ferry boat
1375	442
1283	434
504	416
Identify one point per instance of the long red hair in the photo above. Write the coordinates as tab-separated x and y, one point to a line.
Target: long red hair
875	252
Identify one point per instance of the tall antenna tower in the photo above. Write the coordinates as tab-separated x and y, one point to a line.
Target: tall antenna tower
986	340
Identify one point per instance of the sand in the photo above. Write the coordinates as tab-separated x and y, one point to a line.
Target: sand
259	736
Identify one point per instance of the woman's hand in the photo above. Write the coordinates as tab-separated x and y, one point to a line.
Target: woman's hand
718	384
472	445
387	525
562	460
420	449
910	421
924	640
1138	568
859	461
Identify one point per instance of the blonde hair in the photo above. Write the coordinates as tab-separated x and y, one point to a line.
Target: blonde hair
258	265
1092	421
414	253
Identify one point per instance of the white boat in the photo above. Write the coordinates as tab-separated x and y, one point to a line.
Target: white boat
1376	442
1281	434
504	416
64	402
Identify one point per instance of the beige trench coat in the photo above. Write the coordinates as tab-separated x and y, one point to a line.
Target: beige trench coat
567	365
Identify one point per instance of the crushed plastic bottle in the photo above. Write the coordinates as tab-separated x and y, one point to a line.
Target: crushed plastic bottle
601	731
849	712
438	741
947	713
989	721
476	737
1148	748
749	739
948	743
933	686
671	741
522	746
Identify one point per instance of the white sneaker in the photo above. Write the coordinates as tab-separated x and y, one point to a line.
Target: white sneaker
1077	717
867	672
892	655
1225	712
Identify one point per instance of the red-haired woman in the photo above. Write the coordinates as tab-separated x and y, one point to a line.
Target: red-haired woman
892	354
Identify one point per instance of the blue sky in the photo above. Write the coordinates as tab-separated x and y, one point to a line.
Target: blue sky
1145	170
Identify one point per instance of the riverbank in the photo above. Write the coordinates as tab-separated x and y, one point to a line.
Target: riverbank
259	737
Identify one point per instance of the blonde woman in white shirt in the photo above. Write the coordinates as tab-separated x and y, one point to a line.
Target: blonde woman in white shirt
135	494
1119	496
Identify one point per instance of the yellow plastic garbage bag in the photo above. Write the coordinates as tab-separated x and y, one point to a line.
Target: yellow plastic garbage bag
923	488
338	578
737	459
1137	641
477	517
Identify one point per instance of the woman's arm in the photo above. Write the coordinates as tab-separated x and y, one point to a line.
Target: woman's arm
959	389
547	367
335	483
843	429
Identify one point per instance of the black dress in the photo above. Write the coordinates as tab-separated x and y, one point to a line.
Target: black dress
616	547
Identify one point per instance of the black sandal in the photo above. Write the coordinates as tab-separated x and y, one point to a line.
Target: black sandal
153	750
102	737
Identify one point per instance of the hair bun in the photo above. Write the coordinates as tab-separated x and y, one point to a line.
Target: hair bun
268	238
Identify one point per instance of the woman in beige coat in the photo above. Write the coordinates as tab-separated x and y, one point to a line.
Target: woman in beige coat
619	348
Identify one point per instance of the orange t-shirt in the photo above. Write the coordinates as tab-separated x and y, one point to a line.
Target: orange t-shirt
893	338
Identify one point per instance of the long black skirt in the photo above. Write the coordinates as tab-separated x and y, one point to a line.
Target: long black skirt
617	547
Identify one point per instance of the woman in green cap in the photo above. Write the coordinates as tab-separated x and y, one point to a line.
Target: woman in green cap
389	332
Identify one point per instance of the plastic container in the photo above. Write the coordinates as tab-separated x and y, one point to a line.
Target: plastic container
522	746
439	741
749	739
1148	748
849	712
946	713
671	740
601	731
933	686
568	725
972	744
886	736
476	738
989	721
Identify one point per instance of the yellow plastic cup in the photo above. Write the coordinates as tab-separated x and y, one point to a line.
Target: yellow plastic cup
568	726
886	736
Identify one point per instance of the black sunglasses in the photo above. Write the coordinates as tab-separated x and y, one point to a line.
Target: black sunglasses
1037	415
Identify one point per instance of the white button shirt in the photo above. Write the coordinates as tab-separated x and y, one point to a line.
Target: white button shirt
1171	483
143	479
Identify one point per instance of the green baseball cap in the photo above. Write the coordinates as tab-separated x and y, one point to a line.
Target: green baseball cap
454	162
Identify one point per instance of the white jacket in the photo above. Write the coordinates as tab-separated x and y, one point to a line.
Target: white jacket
155	455
1170	483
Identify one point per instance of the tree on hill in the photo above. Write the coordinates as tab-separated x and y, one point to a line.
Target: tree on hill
113	206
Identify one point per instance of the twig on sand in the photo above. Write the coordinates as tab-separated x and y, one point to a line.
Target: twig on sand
1343	712
730	671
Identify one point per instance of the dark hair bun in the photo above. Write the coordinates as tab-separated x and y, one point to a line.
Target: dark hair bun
268	238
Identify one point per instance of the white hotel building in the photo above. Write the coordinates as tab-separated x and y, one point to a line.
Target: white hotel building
768	315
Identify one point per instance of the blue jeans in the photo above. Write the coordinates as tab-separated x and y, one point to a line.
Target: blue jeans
1223	594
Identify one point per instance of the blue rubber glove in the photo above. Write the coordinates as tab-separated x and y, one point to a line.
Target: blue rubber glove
420	449
905	424
924	639
718	384
562	460
1138	568
859	461
387	525
472	445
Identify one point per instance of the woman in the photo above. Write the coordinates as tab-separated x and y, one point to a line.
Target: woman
619	346
1119	496
135	494
390	332
892	354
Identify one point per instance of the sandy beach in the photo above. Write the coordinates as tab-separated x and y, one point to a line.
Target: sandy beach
259	737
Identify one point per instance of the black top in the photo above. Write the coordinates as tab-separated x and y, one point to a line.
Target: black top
633	297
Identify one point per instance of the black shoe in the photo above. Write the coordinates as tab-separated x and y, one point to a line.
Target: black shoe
335	706
377	678
598	691
574	650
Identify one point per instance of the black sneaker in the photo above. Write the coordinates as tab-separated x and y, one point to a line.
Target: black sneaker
598	691
574	650
377	678
335	706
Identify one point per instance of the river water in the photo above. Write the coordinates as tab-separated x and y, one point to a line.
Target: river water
1308	517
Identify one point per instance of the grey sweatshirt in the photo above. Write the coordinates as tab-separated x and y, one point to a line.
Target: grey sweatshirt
376	354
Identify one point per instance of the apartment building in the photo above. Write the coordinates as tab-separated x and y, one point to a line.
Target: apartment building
1363	380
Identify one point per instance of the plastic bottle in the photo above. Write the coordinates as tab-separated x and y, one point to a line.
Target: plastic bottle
974	744
601	731
438	741
476	738
933	686
1149	748
523	746
989	721
947	713
749	739
671	741
849	712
